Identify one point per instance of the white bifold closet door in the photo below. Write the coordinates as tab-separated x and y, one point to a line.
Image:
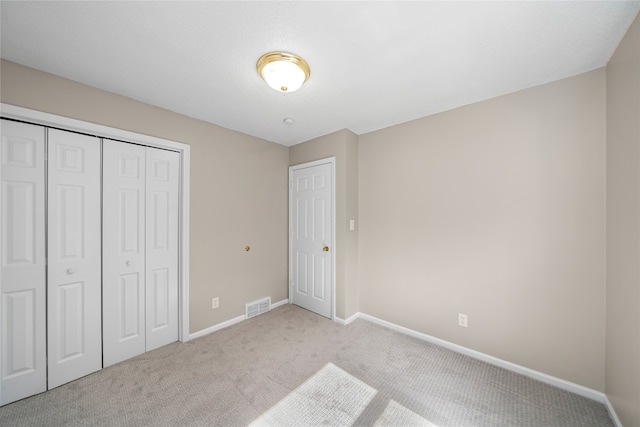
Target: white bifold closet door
162	196
73	274
23	277
50	322
140	249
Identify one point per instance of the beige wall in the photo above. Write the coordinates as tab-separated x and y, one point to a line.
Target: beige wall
342	145
623	229
495	210
238	190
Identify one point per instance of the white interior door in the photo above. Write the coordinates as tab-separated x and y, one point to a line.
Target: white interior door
74	257
311	237
162	205
23	281
123	287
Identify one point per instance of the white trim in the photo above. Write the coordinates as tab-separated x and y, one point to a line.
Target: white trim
217	327
339	320
230	322
55	121
348	320
612	412
332	162
542	377
279	303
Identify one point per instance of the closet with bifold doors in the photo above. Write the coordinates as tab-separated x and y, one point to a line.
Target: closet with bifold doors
140	285
74	347
89	253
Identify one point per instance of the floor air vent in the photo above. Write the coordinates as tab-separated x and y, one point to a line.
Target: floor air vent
254	308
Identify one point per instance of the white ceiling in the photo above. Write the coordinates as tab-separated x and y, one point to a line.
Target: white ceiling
373	64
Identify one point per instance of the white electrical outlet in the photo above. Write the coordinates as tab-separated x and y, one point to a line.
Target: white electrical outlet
463	320
215	303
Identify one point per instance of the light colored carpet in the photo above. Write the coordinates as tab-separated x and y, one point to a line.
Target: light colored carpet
397	415
330	397
255	370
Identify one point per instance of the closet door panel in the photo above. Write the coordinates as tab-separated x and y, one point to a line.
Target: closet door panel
123	293
162	202
23	282
73	279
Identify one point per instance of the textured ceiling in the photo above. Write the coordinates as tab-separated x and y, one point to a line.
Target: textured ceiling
373	64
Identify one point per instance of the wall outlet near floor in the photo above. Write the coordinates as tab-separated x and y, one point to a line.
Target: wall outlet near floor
463	320
215	303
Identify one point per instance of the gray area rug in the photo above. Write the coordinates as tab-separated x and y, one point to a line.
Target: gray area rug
292	367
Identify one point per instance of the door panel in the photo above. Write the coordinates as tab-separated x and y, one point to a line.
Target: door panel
311	238
20	213
301	272
163	169
74	271
71	343
130	219
23	282
129	306
319	277
68	230
123	289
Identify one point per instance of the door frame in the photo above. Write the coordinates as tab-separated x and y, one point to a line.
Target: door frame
51	120
332	162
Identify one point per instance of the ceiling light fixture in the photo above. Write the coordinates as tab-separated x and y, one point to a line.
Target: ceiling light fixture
284	72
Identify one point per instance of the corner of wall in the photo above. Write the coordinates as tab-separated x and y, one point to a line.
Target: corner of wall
622	348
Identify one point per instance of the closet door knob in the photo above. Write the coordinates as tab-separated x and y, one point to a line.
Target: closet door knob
70	271
128	263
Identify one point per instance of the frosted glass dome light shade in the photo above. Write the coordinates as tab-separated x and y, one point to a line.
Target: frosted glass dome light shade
283	76
282	71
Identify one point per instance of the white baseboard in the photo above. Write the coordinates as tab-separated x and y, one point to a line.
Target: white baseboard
229	322
612	412
545	378
217	327
347	321
279	303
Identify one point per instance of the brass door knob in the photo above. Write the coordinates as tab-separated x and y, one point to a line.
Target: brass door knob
326	249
